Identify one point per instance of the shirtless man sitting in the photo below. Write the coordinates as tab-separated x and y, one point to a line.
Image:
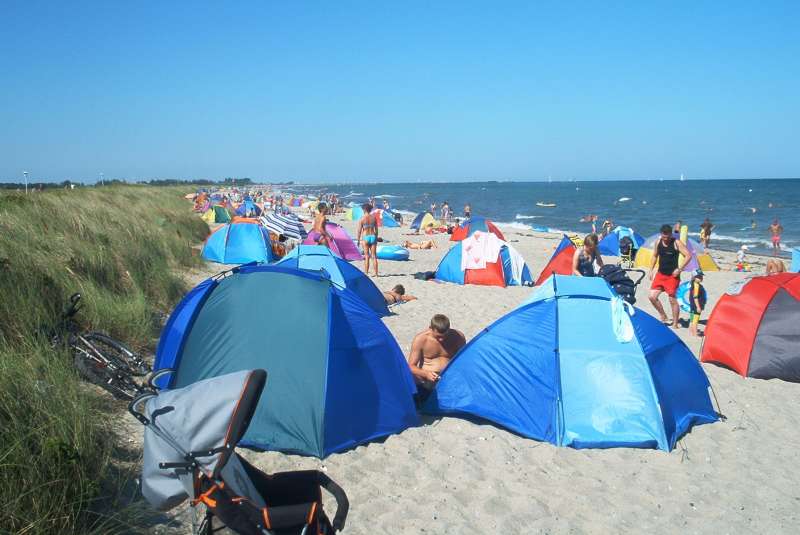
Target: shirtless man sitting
431	352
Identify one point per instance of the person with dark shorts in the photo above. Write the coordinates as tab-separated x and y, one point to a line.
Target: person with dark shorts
431	352
666	253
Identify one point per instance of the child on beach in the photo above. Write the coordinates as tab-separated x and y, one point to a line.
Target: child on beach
397	295
697	301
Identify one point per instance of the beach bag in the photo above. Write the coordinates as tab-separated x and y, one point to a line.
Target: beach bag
618	279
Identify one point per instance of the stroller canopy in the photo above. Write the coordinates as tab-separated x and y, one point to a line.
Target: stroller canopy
238	242
337	376
319	258
632	383
208	416
754	329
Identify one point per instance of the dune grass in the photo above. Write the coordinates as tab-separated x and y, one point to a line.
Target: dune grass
123	248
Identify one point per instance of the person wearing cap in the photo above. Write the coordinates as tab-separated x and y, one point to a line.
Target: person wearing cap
697	300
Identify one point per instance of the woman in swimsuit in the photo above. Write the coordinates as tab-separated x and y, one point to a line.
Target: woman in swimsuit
368	228
323	237
397	295
584	258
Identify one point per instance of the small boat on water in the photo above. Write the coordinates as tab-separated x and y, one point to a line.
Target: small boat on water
624	199
546	204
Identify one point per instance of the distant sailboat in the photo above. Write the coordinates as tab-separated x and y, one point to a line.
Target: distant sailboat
683	179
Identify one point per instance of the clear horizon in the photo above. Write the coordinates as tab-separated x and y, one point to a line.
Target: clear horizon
354	91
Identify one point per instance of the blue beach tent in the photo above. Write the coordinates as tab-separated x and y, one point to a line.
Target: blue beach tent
610	244
319	258
555	370
795	267
337	377
238	243
248	206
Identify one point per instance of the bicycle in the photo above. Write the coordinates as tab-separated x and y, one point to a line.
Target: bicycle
99	358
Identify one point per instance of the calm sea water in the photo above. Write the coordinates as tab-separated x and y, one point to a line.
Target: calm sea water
732	205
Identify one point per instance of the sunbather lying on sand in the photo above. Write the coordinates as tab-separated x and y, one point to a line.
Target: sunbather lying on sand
397	295
424	244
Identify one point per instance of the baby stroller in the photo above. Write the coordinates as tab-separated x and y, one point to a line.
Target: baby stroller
617	277
190	436
627	253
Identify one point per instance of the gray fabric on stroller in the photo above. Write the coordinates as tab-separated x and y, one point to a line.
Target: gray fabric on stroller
193	419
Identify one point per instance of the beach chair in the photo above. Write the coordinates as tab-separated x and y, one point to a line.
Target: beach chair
189	453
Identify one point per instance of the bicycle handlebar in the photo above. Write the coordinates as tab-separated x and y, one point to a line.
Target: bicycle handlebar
73	306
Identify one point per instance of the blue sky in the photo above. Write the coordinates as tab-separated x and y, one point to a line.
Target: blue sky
399	90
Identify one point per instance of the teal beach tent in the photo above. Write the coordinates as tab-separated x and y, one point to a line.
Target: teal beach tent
343	274
337	376
572	367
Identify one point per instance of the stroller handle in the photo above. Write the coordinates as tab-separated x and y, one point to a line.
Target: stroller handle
136	402
641	273
342	503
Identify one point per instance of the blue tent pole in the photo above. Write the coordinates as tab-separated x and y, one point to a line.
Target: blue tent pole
557	355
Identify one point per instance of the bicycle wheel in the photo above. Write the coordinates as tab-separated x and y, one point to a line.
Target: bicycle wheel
104	374
119	353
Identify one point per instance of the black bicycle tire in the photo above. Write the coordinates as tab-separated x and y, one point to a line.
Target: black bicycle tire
118	384
125	356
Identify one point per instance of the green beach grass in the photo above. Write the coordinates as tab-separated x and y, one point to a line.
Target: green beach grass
123	248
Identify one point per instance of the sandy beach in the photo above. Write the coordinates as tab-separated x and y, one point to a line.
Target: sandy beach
451	475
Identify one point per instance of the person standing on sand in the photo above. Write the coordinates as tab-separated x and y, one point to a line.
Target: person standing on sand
467	211
666	253
776	229
705	233
445	212
320	222
431	352
368	227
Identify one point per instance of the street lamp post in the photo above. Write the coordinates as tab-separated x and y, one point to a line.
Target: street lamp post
26	181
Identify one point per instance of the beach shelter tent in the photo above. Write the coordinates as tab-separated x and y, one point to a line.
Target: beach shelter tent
337	377
248	206
795	267
340	272
422	221
385	218
354	213
754	329
475	223
560	262
700	258
509	269
217	214
239	242
343	245
610	244
537	372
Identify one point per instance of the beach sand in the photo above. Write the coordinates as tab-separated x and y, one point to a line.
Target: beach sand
451	475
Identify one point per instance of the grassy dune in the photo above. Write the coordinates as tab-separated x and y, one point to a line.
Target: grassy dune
123	248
